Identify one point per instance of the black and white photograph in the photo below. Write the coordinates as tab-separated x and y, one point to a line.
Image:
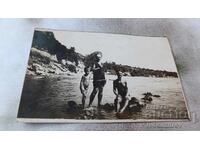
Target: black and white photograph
75	76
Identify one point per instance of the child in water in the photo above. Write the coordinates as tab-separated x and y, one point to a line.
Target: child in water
84	85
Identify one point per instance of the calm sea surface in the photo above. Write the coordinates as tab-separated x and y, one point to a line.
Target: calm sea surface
47	97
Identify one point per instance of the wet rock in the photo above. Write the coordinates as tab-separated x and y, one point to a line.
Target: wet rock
156	96
147	94
133	101
88	113
147	97
134	108
135	105
142	103
108	107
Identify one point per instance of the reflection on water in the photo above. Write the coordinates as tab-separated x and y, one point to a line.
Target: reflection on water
47	97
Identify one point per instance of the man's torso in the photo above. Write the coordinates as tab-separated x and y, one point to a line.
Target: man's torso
121	87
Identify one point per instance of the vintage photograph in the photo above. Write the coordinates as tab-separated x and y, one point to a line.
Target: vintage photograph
100	77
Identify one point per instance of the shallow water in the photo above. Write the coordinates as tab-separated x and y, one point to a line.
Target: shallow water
47	97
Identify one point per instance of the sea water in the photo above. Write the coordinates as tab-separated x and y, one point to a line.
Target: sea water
47	97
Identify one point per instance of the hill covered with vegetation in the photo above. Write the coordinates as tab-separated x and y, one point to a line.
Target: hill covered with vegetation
136	71
49	56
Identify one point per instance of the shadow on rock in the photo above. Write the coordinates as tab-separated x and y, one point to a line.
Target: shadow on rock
135	105
108	107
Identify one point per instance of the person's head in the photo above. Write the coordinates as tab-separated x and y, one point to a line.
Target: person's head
86	70
119	74
98	57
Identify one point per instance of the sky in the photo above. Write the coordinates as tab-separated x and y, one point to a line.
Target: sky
136	51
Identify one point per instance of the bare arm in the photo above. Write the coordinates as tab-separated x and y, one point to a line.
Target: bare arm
81	85
95	68
126	87
115	89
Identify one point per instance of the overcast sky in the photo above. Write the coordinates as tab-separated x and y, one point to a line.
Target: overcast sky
139	51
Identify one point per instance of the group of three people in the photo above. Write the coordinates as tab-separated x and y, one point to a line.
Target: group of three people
120	88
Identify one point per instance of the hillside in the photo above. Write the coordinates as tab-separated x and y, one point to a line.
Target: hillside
49	56
136	71
46	41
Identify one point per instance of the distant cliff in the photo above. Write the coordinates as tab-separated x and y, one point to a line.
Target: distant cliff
46	41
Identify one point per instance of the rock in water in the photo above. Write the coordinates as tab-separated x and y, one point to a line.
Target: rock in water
89	113
147	94
73	107
147	97
135	105
133	101
156	96
108	107
142	103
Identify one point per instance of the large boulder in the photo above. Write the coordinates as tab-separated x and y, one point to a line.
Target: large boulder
108	107
135	105
73	107
88	113
38	69
147	97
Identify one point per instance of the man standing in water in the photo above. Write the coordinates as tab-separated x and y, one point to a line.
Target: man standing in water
99	80
120	89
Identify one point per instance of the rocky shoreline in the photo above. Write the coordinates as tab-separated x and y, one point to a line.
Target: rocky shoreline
134	105
43	64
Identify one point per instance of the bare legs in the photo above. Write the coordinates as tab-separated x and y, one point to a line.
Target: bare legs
93	94
120	104
117	104
100	95
83	100
123	104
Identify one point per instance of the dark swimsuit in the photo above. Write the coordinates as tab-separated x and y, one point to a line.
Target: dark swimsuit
122	89
98	76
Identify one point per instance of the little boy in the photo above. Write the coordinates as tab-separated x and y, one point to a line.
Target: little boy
84	85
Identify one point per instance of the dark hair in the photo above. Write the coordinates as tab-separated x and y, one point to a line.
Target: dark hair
118	72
